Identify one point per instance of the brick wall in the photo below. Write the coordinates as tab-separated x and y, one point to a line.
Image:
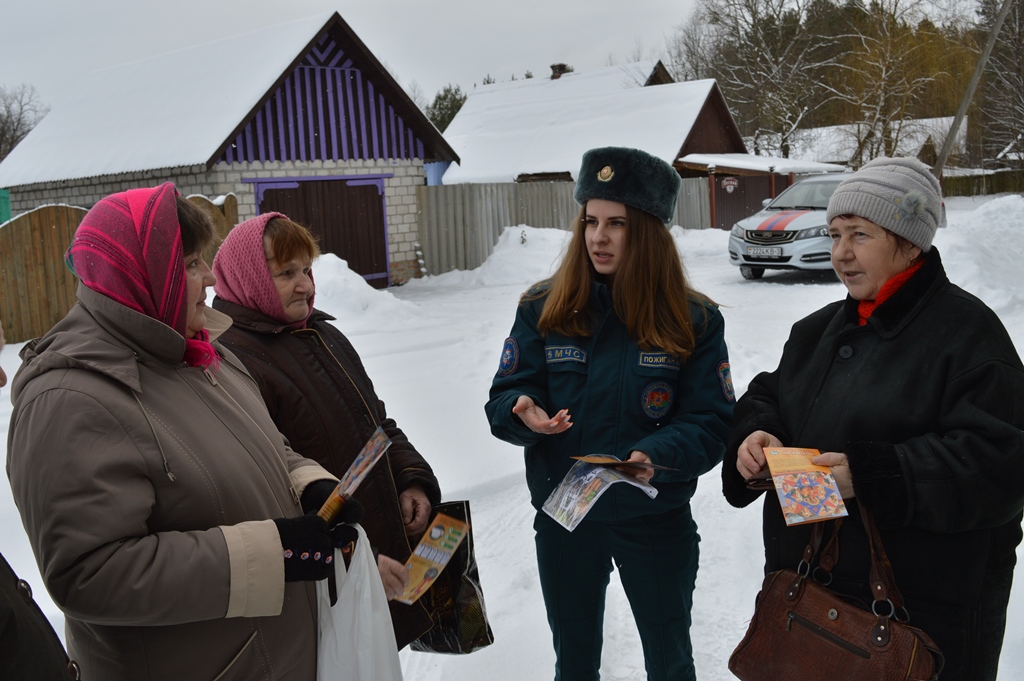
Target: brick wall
399	193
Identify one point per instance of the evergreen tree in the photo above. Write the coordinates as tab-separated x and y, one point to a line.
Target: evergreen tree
446	104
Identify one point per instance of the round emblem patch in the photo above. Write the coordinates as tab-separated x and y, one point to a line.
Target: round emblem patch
605	174
656	399
509	357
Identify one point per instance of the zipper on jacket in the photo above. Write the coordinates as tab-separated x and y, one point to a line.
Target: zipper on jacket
291	487
825	634
341	366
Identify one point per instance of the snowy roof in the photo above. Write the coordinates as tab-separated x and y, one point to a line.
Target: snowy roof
761	164
172	110
504	132
608	78
838	143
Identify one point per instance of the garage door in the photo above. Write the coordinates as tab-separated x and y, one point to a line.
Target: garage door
347	216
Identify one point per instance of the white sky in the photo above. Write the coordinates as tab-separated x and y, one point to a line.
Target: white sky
51	43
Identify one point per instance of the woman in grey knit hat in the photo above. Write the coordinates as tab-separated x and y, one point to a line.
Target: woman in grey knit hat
914	393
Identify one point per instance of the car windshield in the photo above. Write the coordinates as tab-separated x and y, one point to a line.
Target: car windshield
806	195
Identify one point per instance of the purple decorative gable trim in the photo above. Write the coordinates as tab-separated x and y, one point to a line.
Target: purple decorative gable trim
325	110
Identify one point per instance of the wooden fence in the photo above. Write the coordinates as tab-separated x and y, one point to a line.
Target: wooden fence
460	224
998	182
38	289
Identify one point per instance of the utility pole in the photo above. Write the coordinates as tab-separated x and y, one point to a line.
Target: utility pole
947	146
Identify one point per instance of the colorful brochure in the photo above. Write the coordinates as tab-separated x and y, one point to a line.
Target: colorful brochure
369	455
432	554
582	486
807	492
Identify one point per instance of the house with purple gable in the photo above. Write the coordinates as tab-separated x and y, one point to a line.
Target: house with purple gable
299	118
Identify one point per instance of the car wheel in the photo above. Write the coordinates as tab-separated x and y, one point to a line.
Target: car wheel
749	272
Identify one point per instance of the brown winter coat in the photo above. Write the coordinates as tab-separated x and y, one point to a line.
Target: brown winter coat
321	398
147	489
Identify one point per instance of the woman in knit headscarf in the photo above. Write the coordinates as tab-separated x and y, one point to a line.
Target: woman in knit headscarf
165	509
914	393
318	392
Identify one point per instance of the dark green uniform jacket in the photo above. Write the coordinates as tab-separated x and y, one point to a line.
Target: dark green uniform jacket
621	398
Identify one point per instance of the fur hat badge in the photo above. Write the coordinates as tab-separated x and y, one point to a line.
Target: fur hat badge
631	177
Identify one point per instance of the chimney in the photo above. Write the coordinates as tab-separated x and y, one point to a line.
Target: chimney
557	70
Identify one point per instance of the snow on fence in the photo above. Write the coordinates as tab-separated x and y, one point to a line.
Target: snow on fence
459	224
38	290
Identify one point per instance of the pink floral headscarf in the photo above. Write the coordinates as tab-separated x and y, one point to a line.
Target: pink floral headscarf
128	248
242	274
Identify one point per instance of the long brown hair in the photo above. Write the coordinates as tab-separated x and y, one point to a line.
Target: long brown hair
650	293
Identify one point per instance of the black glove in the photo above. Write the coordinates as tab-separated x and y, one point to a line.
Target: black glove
308	548
317	492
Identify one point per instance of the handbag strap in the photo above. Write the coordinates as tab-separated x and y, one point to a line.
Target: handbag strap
883	583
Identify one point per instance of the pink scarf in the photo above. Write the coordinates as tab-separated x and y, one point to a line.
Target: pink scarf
242	274
128	248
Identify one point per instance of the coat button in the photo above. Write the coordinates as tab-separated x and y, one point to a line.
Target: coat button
25	590
846	352
74	671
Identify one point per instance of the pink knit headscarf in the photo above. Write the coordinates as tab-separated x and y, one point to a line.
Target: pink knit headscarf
243	277
128	247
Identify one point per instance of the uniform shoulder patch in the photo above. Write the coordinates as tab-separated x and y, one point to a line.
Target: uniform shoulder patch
725	378
536	291
509	357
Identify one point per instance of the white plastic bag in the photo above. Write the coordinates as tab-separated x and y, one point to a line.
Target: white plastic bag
357	640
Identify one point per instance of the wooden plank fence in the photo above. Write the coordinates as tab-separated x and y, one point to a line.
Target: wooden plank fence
38	289
998	182
460	224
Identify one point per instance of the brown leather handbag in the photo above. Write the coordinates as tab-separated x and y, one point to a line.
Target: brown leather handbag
802	630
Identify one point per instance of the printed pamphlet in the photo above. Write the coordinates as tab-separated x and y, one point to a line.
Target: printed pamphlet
582	486
370	454
807	492
432	554
606	460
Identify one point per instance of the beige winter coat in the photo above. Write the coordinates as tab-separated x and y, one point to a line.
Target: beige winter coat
147	489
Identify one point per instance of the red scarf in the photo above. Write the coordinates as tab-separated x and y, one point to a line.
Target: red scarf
867	307
128	248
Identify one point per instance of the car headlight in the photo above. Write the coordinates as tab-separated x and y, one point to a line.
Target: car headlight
737	231
812	232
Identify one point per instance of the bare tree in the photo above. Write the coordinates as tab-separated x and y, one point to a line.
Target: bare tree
768	66
1003	97
691	50
20	111
884	76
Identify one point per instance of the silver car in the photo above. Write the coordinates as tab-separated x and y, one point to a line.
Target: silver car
790	233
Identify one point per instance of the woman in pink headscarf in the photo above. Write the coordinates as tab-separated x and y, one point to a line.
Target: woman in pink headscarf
318	392
165	510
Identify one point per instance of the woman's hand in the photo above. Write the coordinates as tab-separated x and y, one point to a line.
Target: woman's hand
415	510
750	456
393	576
641	474
840	467
537	420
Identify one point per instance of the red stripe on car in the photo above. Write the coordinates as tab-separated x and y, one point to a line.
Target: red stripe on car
782	220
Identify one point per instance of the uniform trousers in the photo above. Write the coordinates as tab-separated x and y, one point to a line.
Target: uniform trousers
656	557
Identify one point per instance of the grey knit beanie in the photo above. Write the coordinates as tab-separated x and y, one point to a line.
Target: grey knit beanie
899	194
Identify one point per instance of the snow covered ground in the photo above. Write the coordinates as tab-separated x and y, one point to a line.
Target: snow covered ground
432	347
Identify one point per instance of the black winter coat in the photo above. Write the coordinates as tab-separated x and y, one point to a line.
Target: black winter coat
321	398
927	402
29	647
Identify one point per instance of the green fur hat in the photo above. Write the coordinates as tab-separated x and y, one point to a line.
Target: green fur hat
630	177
